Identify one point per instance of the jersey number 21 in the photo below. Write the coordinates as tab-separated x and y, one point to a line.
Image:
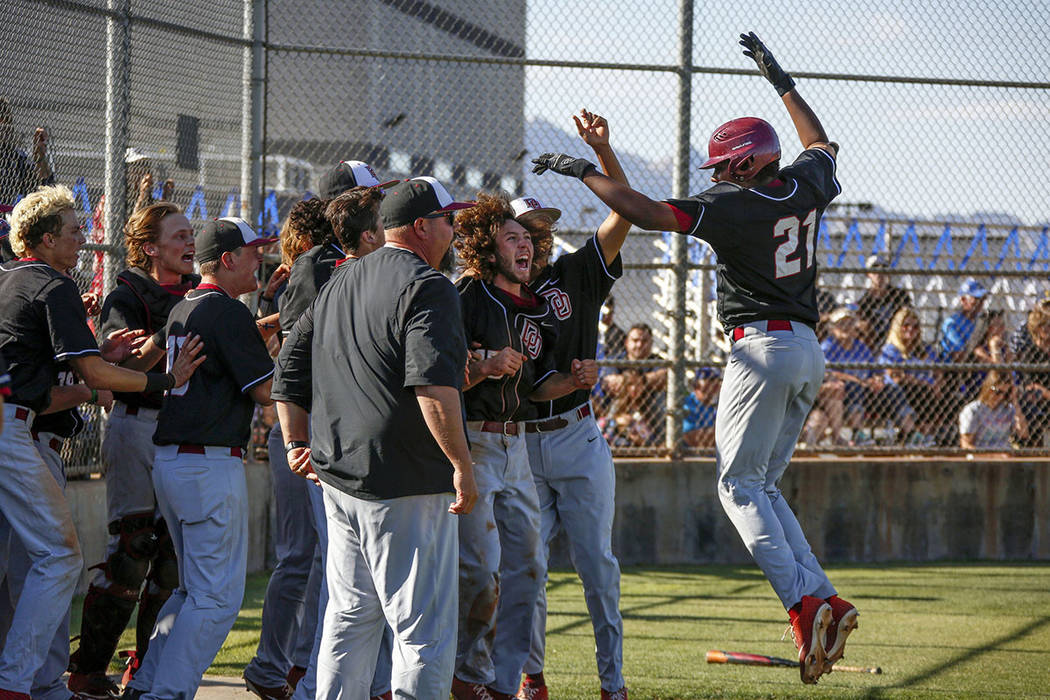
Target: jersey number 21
174	345
788	258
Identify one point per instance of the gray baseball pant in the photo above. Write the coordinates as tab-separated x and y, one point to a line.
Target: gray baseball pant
48	683
575	480
390	563
497	601
35	507
204	500
768	388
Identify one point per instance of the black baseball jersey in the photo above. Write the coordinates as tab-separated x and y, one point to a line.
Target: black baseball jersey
390	324
765	239
213	407
68	422
575	286
138	302
293	378
42	324
308	274
496	319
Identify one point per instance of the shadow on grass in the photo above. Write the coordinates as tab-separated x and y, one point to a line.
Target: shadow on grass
968	655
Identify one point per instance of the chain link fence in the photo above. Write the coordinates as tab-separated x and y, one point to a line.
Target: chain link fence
940	109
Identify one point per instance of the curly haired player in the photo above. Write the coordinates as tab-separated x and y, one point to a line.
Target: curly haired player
762	222
512	326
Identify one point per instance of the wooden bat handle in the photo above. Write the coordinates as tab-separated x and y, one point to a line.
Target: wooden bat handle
857	669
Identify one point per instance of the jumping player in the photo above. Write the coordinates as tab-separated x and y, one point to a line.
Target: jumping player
762	222
159	241
573	471
198	472
510	325
42	324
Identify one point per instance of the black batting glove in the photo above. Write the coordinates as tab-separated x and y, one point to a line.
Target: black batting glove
563	165
767	65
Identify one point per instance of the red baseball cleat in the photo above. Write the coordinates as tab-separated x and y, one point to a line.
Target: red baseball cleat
462	690
295	674
843	621
620	694
532	689
809	626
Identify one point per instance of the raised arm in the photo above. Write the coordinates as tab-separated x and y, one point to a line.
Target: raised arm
643	212
594	130
810	131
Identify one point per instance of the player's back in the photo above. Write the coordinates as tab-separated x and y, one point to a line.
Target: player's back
765	240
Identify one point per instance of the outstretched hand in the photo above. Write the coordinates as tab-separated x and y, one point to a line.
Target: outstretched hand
563	165
767	65
121	344
592	128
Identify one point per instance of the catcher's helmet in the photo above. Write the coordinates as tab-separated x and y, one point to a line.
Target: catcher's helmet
748	144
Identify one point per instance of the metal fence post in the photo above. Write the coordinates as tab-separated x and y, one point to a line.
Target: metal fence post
252	110
679	244
118	84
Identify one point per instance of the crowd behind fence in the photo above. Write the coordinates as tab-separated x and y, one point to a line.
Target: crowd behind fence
238	106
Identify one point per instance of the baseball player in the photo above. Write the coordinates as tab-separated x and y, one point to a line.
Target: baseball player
298	579
42	324
140	562
198	472
49	431
762	222
508	325
388	350
571	464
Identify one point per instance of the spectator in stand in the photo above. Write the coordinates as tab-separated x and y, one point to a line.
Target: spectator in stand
989	420
629	421
921	387
879	303
960	334
864	391
993	347
21	172
1030	344
612	336
698	424
638	345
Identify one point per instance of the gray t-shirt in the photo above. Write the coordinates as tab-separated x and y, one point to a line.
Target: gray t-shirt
990	426
391	323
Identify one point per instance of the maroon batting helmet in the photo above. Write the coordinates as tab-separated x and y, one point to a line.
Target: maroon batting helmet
747	144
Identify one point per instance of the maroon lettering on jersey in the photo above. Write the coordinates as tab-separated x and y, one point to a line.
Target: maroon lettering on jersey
559	302
531	340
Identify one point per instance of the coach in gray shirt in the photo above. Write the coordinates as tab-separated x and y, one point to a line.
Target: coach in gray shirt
388	446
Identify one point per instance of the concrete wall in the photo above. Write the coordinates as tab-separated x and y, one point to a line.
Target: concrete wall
851	510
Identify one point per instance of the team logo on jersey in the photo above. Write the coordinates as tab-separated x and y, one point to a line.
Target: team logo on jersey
559	302
531	340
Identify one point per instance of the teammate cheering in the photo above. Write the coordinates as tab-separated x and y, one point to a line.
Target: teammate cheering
43	323
198	471
572	468
159	240
511	325
762	222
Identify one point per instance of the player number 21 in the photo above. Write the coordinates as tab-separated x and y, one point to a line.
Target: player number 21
789	262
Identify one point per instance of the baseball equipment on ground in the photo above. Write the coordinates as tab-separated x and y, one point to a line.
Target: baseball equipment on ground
563	165
715	656
767	65
748	144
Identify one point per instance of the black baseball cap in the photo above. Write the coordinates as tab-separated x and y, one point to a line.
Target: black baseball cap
421	196
347	175
226	235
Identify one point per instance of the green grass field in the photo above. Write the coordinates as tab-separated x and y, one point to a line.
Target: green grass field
944	631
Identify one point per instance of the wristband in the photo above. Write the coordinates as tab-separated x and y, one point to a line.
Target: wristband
293	444
265	305
94	397
155	381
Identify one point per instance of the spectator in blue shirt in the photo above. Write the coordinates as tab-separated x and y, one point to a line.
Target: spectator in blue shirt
959	332
699	407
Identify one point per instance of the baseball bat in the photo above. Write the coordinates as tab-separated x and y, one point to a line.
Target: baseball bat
737	657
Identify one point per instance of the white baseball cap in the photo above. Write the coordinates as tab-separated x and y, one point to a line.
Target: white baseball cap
527	207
